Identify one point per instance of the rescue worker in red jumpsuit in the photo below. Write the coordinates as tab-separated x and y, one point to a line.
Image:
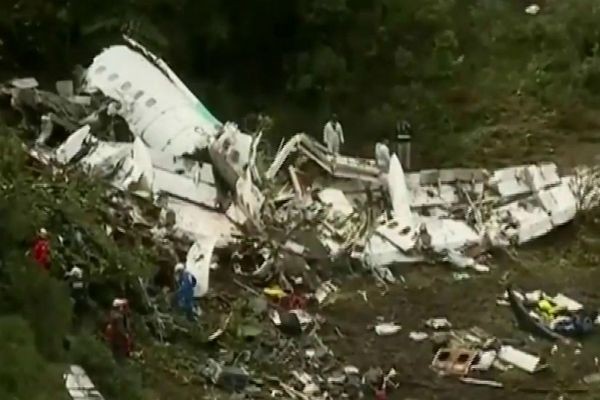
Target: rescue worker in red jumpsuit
118	330
41	250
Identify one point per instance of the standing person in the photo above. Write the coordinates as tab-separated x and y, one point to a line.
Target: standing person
382	155
402	145
186	282
41	250
333	135
118	329
77	288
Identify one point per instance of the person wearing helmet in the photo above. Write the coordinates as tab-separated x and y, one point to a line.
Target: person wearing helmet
41	250
78	289
118	329
186	282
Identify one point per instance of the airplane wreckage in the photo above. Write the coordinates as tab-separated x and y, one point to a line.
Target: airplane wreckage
307	205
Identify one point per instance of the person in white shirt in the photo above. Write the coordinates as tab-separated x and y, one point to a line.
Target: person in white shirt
333	135
382	156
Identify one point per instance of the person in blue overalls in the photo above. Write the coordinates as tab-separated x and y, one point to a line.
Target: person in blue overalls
186	282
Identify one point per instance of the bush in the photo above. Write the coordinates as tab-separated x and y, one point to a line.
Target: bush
115	381
24	374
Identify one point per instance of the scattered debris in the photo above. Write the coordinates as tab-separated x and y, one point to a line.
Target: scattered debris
438	323
387	329
418	336
461	276
520	359
555	317
79	385
448	361
481	382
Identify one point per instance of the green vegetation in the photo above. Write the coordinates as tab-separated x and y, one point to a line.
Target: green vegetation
465	73
35	308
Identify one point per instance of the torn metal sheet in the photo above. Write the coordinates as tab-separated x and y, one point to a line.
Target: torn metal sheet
519	359
230	153
74	145
448	234
541	176
250	200
485	360
198	263
117	163
79	385
481	382
515	181
156	108
337	200
400	236
106	158
569	304
185	188
380	252
143	162
453	361
338	166
24	83
197	222
559	202
521	221
509	182
399	194
387	329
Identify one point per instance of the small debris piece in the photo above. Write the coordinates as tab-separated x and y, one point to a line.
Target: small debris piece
326	289
481	382
563	301
274	291
438	323
519	359
461	276
233	379
387	329
351	370
532	9
79	385
485	360
287	322
453	361
25	83
418	336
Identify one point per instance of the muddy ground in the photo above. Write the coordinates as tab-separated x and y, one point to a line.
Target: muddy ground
565	261
430	291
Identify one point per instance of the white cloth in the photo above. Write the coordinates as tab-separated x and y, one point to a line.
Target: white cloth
333	136
382	157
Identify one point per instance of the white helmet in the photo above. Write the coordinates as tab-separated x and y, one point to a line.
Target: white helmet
76	272
119	302
179	267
